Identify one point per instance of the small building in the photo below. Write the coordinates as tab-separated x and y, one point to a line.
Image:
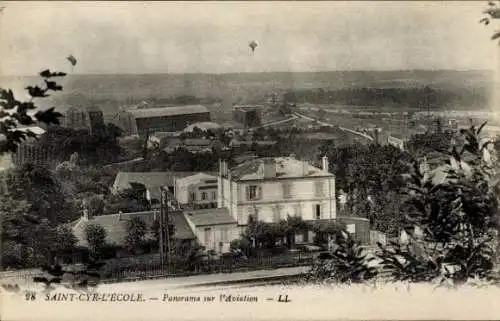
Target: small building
199	190
90	118
214	228
203	126
249	116
31	151
168	119
153	181
235	143
193	145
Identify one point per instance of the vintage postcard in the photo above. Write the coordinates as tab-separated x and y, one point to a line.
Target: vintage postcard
249	160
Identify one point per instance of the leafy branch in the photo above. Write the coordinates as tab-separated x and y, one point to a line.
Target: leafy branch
16	115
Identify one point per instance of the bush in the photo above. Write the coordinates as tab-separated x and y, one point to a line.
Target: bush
346	264
96	239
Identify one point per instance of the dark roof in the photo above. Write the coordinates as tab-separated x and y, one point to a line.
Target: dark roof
116	228
211	216
168	111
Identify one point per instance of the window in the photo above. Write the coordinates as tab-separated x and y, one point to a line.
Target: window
319	189
276	214
214	195
317	211
287	190
192	197
203	196
297	210
207	236
253	192
224	234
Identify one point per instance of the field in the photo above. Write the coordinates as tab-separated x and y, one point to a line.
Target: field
111	91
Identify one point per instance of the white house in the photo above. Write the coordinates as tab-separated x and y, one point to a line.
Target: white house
214	228
197	190
270	189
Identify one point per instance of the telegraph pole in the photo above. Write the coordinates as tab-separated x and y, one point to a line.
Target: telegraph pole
162	247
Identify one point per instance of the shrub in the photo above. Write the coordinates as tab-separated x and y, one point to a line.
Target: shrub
346	264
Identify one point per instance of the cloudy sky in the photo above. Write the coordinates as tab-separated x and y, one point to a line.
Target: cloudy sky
213	37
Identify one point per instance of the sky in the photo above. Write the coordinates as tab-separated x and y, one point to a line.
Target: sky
213	37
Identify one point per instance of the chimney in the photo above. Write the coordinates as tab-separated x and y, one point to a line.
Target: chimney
325	163
269	168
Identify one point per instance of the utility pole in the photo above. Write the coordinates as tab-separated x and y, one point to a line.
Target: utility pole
164	227
162	244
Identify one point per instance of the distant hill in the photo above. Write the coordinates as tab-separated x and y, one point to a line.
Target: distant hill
111	91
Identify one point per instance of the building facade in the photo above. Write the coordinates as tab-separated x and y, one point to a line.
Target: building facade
199	190
168	119
249	116
270	189
214	228
90	118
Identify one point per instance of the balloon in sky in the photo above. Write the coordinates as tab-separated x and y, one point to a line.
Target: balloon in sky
253	45
71	59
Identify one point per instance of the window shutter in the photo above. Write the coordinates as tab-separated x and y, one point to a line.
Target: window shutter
247	191
259	192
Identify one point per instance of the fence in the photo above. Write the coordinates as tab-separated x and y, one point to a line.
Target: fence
176	269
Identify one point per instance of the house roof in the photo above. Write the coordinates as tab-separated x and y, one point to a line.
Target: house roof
116	227
168	111
286	167
196	178
211	216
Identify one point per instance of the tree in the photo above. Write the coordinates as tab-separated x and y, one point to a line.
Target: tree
132	199
96	239
136	231
155	230
43	191
458	220
16	114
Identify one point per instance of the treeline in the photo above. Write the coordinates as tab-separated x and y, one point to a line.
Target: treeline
421	97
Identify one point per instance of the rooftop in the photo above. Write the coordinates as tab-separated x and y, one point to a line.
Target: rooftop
168	111
116	228
212	216
286	167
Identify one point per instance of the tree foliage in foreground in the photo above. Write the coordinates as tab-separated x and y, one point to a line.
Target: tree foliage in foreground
453	223
16	114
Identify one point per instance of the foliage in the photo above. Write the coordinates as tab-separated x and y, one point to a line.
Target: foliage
42	191
28	240
99	147
96	239
16	114
346	264
130	200
155	230
457	217
136	232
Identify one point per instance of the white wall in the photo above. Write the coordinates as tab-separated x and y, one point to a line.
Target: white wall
216	236
184	188
301	201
